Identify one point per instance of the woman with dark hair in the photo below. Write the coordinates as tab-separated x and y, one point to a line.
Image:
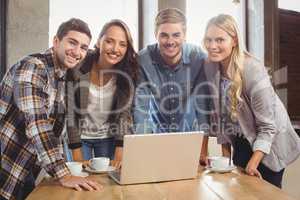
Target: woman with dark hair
103	93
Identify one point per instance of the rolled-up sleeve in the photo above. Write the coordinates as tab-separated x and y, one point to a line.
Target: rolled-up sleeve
262	100
263	108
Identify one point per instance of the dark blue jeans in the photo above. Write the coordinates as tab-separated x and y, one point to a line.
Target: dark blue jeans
242	154
100	148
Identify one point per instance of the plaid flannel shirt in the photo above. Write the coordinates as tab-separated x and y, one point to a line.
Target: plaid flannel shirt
31	121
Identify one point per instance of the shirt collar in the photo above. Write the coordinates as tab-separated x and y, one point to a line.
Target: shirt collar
157	58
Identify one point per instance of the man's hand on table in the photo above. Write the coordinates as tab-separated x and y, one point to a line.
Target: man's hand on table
79	183
204	152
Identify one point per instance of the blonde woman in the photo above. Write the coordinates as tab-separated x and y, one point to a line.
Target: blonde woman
249	114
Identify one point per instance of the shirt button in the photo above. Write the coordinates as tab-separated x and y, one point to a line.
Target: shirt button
172	88
173	118
173	100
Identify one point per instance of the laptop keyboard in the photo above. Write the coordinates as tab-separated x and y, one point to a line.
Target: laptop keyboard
116	174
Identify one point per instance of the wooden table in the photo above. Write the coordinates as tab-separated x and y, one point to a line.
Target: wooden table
207	186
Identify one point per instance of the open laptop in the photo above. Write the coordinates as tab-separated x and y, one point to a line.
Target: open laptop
159	157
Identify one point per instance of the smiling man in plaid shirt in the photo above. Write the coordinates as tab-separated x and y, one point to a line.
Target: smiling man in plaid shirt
32	114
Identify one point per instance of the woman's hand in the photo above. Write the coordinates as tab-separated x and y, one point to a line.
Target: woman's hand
204	152
78	157
79	183
226	150
251	168
77	154
117	162
203	159
86	163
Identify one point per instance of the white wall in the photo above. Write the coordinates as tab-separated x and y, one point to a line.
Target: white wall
96	13
289	5
198	14
150	9
256	29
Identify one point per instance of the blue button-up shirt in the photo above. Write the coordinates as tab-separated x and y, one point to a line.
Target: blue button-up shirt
171	99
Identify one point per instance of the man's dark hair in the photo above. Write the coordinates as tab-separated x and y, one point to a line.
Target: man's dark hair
73	24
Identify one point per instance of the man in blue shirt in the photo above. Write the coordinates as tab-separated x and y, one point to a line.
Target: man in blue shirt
171	95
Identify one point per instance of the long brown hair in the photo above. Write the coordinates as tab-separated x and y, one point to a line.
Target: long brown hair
128	65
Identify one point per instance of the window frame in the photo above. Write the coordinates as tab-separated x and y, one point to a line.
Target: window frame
3	15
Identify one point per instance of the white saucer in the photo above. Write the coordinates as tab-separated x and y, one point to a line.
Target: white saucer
82	174
221	170
109	169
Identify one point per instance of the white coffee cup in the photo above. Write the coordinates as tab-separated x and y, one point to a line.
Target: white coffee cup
100	163
74	167
219	162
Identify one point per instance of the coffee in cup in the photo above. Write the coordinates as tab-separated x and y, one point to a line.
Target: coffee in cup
74	167
99	163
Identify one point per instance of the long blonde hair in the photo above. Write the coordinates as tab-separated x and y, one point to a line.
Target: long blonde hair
236	65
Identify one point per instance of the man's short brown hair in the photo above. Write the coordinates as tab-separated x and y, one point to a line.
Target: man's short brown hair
170	15
73	24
